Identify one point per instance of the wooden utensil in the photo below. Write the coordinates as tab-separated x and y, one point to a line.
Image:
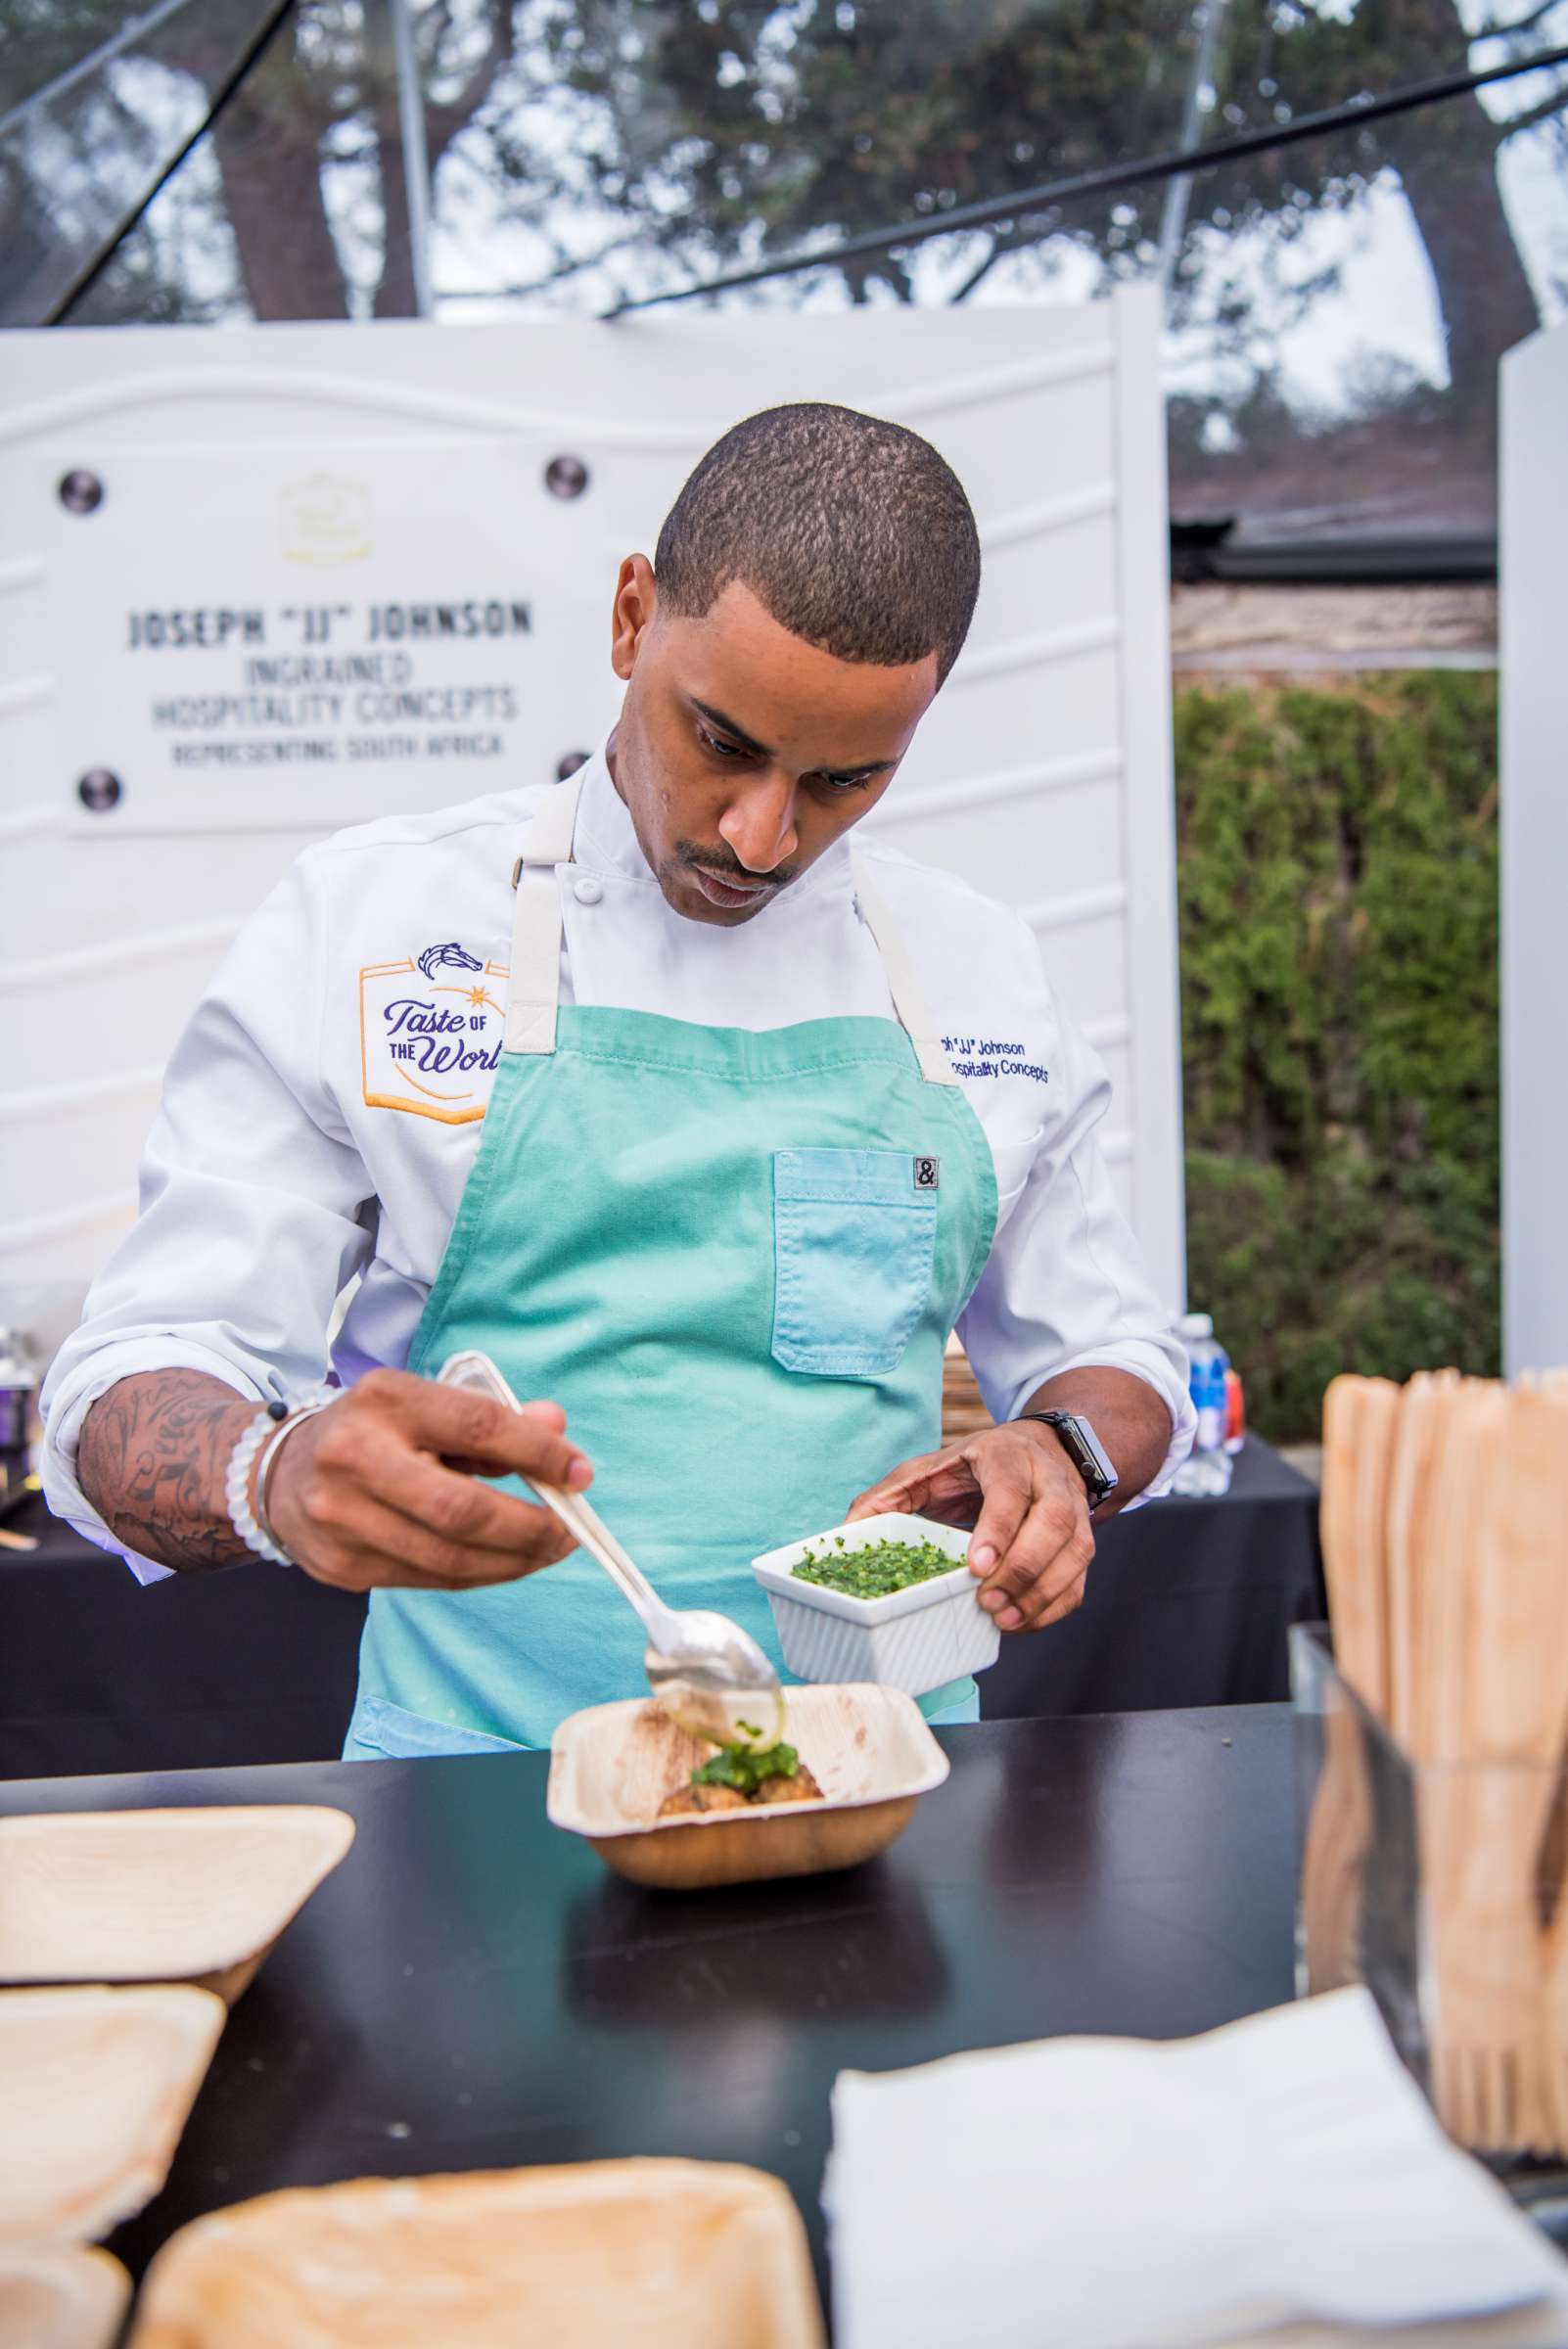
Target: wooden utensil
1540	1519
1359	1415
1419	1444
1499	1682
1446	1549
1360	1418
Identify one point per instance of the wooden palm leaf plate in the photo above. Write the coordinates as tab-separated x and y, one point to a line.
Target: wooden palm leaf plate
660	2254
158	1896
94	2089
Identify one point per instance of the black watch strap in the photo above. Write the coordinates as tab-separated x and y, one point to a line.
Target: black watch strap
1084	1448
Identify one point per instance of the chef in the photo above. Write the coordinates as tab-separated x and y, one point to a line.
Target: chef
708	1116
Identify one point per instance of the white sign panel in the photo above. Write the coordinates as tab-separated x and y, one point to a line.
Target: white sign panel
283	630
255	585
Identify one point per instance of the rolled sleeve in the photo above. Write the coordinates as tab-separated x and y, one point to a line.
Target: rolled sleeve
1065	1287
251	1197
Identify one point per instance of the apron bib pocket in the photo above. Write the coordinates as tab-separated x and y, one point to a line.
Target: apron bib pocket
855	1234
399	1735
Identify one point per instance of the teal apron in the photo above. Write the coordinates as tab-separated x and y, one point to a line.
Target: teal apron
734	1259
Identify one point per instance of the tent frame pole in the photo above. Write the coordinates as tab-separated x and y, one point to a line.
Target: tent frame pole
416	152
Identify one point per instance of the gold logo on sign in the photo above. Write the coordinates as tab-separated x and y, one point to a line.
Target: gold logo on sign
326	520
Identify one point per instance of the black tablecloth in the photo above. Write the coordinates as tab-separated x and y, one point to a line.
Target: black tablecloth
472	1990
1188	1603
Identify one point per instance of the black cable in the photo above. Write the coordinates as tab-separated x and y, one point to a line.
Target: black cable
88	275
995	208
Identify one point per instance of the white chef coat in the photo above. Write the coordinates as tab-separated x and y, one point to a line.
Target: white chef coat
322	1109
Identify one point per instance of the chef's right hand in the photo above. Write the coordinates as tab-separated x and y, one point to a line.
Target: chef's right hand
382	1488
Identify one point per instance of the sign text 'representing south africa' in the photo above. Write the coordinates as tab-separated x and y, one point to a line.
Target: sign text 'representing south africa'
270	639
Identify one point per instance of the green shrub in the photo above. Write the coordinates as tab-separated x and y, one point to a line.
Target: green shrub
1338	881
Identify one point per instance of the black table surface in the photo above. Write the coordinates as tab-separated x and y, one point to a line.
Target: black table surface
473	1990
1187	1604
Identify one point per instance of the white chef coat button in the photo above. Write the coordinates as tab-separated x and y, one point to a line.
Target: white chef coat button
587	891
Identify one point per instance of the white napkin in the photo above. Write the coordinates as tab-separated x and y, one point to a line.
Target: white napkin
1111	2193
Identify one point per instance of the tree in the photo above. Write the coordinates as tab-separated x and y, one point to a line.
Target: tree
1446	157
779	124
322	100
705	131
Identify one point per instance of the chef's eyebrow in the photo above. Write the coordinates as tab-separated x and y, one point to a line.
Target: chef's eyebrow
748	742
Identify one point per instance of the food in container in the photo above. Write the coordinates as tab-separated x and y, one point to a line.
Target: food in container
612	1767
876	1571
662	2254
916	1634
740	1776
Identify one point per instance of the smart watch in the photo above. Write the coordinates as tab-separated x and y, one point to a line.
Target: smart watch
1084	1448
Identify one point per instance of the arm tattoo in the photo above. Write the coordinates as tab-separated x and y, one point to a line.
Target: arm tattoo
154	1452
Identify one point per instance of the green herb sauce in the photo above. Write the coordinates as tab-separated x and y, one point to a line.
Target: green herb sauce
744	1767
872	1573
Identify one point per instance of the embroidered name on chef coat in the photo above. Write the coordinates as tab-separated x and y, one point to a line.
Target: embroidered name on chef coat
430	1032
991	1056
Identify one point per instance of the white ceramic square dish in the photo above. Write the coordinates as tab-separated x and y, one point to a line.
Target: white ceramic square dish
870	1750
915	1640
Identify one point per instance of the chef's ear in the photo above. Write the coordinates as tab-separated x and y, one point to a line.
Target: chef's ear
636	601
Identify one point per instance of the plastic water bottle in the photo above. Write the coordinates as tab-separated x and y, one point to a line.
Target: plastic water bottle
1207	1472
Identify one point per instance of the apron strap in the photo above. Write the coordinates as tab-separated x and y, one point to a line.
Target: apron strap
533	989
904	985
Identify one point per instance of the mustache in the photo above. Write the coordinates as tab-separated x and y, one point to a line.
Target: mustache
728	868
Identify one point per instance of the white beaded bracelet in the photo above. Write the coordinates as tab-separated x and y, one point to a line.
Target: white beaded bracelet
269	1428
307	1409
237	1490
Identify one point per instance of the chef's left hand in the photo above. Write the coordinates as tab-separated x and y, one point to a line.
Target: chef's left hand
1016	1486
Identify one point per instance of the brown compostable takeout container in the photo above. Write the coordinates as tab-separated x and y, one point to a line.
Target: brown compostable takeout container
869	1748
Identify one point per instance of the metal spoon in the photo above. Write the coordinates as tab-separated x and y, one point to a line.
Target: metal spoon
707	1673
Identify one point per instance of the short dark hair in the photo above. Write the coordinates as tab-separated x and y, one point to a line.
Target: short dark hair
852	532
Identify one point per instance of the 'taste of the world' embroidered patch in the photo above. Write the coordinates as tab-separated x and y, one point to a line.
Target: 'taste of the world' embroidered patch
429	1033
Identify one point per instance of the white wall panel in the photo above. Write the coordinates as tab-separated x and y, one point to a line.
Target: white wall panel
1534	844
1043	773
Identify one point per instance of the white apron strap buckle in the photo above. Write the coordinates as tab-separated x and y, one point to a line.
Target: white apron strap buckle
533	989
